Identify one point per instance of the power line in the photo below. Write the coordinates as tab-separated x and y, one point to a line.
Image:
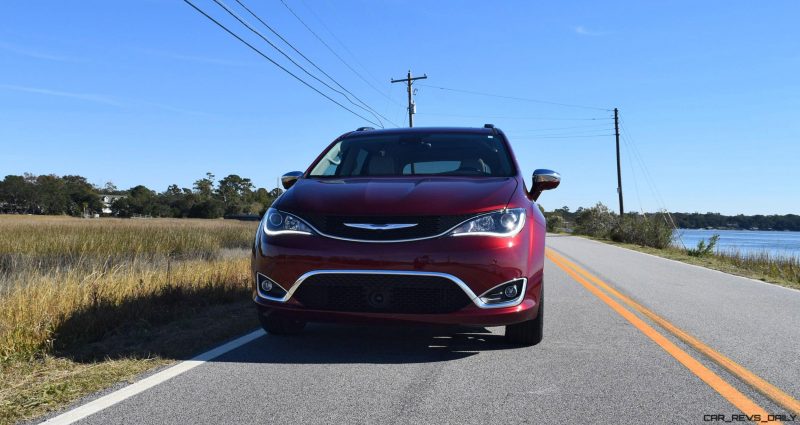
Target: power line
404	116
371	109
562	137
649	180
524	99
633	174
637	155
264	55
564	133
344	46
591	126
631	158
258	33
518	118
337	55
535	136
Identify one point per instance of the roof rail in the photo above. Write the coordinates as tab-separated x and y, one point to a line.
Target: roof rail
364	128
488	126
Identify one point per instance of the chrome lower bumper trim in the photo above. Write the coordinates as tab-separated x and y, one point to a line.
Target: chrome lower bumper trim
474	298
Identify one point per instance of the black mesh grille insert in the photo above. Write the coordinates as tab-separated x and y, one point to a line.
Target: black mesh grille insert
381	293
426	226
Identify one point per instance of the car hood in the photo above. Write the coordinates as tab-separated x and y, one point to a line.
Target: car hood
398	196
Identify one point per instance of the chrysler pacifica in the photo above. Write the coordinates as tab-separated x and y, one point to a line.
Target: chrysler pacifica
413	225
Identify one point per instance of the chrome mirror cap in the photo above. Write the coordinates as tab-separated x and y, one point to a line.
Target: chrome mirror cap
288	179
544	180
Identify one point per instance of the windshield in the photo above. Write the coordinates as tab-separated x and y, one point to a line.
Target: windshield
441	154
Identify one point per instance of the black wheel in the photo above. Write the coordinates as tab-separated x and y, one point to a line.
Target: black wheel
529	332
278	325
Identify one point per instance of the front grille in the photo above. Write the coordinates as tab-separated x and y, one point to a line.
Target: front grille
426	226
381	293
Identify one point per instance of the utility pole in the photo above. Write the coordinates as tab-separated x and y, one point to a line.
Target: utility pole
411	107
619	168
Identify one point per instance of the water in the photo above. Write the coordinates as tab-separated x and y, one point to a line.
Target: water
746	241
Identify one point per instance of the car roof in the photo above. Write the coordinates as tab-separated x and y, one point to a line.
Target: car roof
421	130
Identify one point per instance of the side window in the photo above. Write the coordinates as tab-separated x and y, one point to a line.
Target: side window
330	169
360	158
328	165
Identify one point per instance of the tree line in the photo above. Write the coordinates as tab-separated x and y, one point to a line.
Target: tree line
235	195
74	195
709	220
737	222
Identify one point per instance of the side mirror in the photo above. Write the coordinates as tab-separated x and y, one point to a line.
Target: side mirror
544	180
288	180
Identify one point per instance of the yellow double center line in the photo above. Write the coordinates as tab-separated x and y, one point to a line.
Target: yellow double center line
741	401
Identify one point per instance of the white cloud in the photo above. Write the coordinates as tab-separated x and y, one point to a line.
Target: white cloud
36	54
101	99
581	30
89	97
191	58
171	108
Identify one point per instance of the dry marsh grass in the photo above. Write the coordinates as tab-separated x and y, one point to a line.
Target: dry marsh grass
69	286
766	266
37	241
57	311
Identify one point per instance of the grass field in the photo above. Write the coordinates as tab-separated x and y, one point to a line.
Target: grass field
86	303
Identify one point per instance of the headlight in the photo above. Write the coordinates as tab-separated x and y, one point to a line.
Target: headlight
500	223
278	222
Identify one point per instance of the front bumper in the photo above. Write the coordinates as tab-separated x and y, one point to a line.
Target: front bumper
469	316
474	263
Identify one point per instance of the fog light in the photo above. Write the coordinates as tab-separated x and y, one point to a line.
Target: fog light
269	289
505	294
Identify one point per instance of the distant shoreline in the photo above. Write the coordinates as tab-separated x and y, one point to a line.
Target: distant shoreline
736	229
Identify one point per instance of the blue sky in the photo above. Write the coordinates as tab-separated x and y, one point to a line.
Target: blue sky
151	92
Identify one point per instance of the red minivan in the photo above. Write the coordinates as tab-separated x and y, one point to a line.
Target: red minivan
413	225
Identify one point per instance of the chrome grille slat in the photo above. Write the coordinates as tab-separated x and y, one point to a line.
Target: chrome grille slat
426	226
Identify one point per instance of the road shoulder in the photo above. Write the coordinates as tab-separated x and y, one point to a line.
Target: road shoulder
708	263
38	389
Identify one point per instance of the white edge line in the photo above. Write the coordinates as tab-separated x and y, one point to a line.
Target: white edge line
115	397
773	285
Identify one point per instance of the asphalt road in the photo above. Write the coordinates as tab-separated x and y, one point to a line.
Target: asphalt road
593	366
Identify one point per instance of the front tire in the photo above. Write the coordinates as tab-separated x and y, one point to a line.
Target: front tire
276	324
529	332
